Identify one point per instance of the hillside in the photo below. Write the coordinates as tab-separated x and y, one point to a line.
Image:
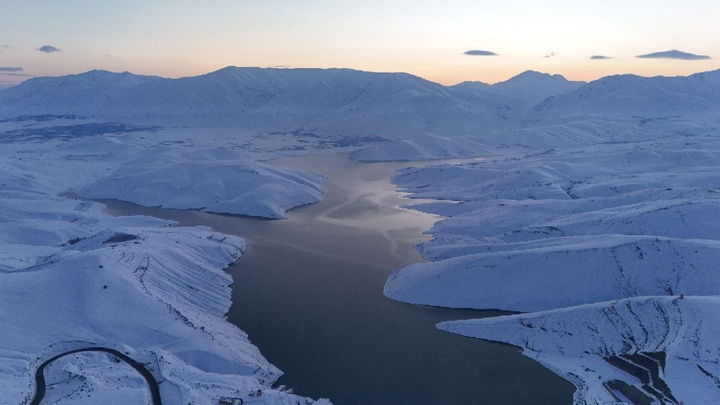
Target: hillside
323	101
524	90
605	240
635	96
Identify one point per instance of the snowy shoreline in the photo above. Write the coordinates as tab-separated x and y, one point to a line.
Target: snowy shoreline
588	231
158	294
75	276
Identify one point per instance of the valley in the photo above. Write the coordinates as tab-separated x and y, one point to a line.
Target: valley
590	213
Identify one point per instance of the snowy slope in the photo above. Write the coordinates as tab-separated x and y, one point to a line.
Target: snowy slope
630	95
520	92
80	93
80	278
532	87
524	90
324	101
213	181
343	107
603	239
562	272
592	345
610	221
74	277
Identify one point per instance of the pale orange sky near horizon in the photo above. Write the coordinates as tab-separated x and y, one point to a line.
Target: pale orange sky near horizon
426	38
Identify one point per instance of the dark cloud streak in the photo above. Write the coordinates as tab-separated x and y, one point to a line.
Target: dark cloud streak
478	52
600	57
15	74
673	54
48	49
10	69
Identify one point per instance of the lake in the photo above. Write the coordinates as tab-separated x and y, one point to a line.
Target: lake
308	291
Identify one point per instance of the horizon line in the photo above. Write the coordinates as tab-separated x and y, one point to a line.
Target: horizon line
31	77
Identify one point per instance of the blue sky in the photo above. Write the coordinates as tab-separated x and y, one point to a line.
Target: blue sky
426	38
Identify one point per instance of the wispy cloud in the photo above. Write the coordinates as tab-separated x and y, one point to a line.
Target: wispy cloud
13	71
15	74
673	54
600	57
478	52
48	49
550	55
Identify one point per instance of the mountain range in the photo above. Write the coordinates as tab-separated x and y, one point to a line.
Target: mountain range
331	95
351	102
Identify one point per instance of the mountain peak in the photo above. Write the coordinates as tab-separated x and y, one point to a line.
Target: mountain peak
534	75
531	87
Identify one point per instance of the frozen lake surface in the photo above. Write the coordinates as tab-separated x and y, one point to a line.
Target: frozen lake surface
309	293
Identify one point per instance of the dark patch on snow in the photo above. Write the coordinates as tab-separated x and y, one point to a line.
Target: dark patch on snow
318	141
42	118
66	132
121	237
74	241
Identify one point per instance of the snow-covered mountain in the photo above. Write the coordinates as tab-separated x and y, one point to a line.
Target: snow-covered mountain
325	101
533	87
648	97
524	90
356	102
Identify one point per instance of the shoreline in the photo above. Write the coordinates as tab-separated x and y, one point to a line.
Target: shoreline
336	304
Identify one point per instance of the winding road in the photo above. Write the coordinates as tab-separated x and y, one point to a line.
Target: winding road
139	367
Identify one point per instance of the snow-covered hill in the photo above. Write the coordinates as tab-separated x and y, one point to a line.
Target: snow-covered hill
570	231
645	348
73	277
648	97
210	180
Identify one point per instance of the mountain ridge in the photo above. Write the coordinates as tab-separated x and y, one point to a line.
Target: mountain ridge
630	95
351	102
265	99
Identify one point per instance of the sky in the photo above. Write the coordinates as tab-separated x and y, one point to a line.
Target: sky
444	41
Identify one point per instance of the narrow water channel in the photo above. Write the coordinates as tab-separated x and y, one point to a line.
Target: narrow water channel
308	291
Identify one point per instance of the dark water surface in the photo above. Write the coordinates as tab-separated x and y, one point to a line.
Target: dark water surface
308	291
